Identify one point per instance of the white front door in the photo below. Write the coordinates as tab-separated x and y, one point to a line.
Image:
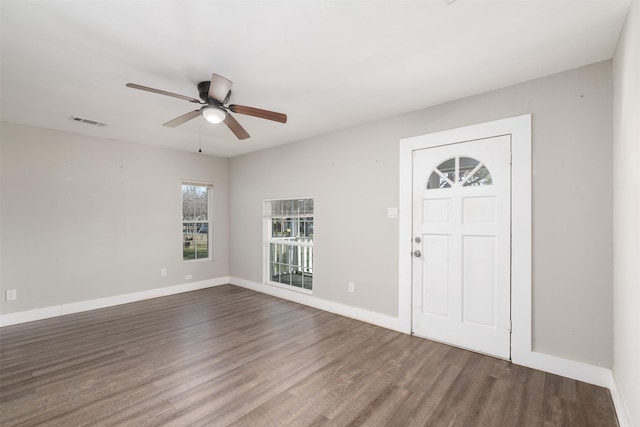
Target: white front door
461	231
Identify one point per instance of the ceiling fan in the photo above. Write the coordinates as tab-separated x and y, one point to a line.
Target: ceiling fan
214	95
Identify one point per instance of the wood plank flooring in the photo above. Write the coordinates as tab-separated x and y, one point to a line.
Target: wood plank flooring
229	356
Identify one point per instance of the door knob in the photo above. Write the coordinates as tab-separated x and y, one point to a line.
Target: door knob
417	239
417	254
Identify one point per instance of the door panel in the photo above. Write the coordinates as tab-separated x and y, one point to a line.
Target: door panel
436	275
478	279
461	219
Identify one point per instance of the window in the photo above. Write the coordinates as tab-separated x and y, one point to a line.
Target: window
459	171
289	242
196	220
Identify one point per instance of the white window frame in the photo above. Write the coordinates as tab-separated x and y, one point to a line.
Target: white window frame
209	220
267	240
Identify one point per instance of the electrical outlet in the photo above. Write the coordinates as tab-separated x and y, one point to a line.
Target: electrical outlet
392	212
163	272
352	287
187	277
11	294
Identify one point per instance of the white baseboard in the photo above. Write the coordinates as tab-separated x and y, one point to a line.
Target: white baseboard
378	319
76	307
580	371
624	419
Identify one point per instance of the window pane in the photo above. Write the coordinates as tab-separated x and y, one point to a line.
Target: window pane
480	178
307	259
279	273
296	280
302	206
276	252
287	207
448	169
436	181
307	281
276	207
276	227
195	203
447	166
202	240
307	231
283	275
467	165
187	203
188	245
286	229
195	240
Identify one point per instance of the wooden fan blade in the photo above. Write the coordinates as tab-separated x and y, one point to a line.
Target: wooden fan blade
219	88
235	127
257	112
163	92
182	119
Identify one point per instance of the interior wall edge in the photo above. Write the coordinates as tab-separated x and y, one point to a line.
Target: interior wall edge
622	411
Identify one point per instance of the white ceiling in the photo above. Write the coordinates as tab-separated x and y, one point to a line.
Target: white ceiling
326	64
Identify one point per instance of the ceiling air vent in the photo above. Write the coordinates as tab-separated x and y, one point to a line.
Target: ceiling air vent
87	121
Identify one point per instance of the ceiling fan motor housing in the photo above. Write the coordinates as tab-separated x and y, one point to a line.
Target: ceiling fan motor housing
203	91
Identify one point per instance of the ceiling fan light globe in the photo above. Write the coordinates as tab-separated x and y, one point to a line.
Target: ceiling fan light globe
214	114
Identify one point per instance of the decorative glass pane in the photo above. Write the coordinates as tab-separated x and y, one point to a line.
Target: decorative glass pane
448	169
466	166
480	178
436	181
464	171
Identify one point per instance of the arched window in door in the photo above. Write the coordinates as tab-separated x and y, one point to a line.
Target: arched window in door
459	172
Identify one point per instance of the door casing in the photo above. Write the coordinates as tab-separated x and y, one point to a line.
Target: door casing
519	130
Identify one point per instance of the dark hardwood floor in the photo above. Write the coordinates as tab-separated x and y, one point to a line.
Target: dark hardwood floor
230	356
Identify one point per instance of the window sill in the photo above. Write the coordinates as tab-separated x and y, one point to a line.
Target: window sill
290	288
197	260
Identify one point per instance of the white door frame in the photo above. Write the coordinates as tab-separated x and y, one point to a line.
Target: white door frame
519	128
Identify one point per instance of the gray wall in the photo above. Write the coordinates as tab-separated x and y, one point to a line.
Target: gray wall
85	218
353	174
626	214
